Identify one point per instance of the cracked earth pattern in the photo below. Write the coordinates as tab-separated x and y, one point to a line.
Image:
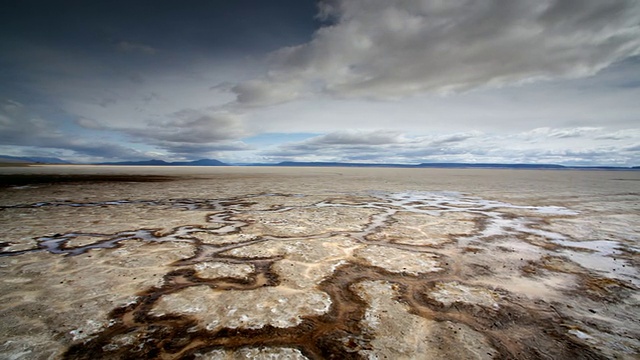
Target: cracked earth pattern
374	274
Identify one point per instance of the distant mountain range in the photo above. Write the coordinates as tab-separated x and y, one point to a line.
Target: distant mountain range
32	159
212	162
426	165
201	162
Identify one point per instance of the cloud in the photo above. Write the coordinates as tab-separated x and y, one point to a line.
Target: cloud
454	138
392	49
341	142
380	137
193	133
365	145
544	133
634	148
260	92
189	150
194	127
126	46
542	145
21	126
127	92
620	135
574	133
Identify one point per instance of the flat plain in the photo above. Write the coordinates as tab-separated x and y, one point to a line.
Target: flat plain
346	263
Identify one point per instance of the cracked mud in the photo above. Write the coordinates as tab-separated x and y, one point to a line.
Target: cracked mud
119	271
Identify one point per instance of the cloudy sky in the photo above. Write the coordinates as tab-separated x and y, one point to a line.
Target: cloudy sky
405	81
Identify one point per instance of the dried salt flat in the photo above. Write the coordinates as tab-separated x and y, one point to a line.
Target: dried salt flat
265	267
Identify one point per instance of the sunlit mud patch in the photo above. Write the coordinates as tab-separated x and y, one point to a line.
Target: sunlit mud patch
613	345
275	306
606	289
452	292
399	261
388	320
69	298
261	353
427	230
552	263
207	237
305	250
214	270
307	221
301	275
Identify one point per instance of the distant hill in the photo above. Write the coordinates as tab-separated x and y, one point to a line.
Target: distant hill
333	164
490	166
26	160
450	166
142	162
33	159
423	165
10	161
201	162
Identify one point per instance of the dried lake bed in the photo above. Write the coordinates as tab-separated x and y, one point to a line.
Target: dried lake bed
243	262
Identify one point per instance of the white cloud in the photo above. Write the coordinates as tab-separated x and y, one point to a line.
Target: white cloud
392	49
561	133
542	145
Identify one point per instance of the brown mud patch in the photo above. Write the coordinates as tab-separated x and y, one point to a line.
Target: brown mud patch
37	179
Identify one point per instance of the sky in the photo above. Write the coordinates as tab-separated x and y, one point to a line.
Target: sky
374	81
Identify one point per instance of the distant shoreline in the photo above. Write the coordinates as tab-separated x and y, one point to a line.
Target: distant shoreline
87	169
395	166
26	161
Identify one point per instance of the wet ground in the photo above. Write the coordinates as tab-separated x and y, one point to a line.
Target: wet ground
225	263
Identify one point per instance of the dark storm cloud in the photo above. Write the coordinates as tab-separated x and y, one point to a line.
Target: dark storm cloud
190	133
190	150
20	126
194	127
92	59
393	49
95	42
207	25
337	143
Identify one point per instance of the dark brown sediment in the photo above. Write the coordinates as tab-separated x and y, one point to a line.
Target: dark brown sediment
33	179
